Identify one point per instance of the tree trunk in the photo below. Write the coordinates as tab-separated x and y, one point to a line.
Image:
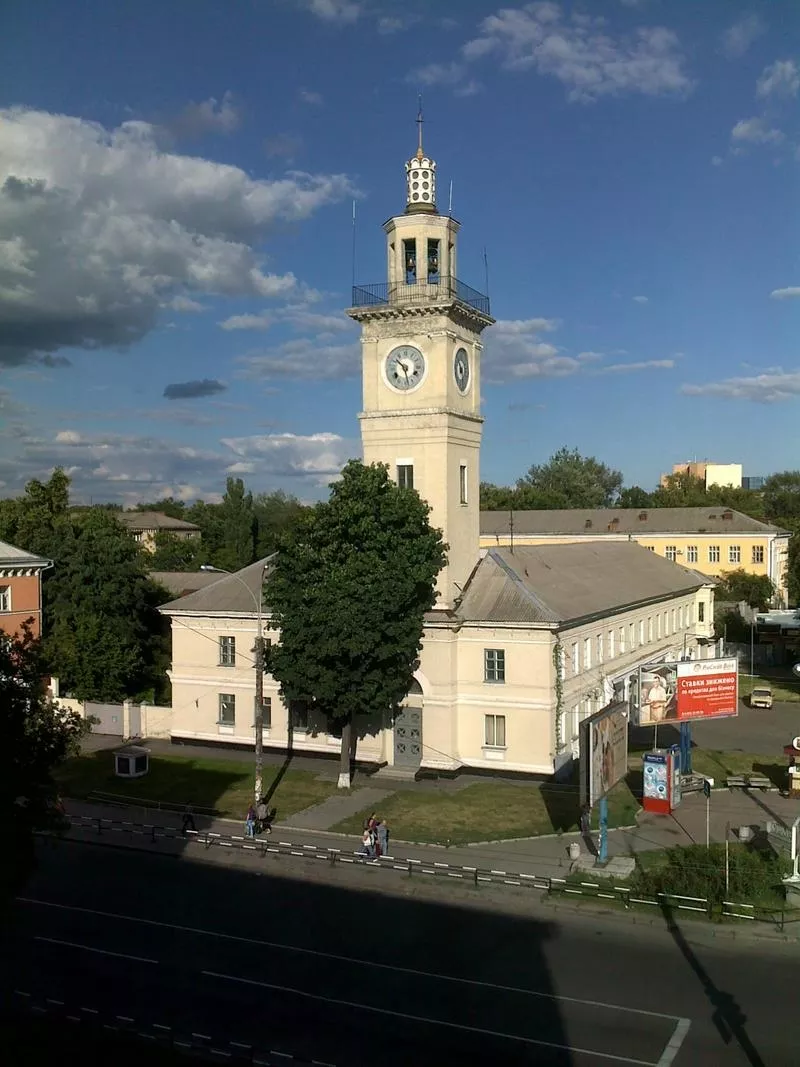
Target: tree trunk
345	755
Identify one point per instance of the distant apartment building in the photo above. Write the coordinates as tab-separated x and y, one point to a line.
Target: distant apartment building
726	475
144	525
710	540
20	590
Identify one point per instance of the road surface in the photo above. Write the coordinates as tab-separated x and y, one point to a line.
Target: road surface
352	977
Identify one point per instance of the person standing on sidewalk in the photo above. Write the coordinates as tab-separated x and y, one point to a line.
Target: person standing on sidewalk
250	822
586	829
383	838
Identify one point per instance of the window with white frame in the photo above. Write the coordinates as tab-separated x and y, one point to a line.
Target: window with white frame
650	628
5	598
405	475
734	554
691	554
658	626
680	617
671	552
494	731
701	611
299	716
600	648
757	555
621	640
587	653
713	553
227	651
227	709
576	666
266	713
462	484
611	651
666	623
494	665
631	637
641	632
674	621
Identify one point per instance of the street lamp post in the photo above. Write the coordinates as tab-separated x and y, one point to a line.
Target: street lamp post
259	665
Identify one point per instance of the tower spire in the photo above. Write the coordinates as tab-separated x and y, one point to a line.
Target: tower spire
420	121
420	175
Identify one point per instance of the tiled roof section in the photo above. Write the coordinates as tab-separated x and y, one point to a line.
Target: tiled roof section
13	556
181	583
231	594
594	521
564	583
153	520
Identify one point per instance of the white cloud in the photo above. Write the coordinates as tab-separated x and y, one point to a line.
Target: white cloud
755	131
781	78
184	303
113	227
248	322
717	161
318	456
644	364
771	387
737	38
578	50
340	11
297	316
210	116
641	299
308	96
786	294
304	358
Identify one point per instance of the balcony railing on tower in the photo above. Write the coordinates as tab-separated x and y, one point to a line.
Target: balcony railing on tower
446	288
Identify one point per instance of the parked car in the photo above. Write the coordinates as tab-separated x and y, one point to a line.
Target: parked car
761	697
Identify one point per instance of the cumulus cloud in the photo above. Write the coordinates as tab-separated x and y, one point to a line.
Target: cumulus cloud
781	78
741	34
337	11
788	293
283	145
192	390
642	299
755	131
303	358
100	228
773	386
578	50
308	96
643	364
209	116
318	456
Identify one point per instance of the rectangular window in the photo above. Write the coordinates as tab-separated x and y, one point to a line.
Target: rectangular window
611	652
587	653
494	665
405	475
621	640
495	731
713	553
734	554
5	598
266	713
666	623
299	717
658	626
650	629
462	483
674	621
757	554
701	611
641	632
680	617
631	637
691	554
600	649
576	666
227	651
671	552
410	261
433	260
227	709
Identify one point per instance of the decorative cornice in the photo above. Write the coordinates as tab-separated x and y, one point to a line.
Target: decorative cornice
453	309
419	413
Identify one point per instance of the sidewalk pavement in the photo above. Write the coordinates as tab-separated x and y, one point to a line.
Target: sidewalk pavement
544	856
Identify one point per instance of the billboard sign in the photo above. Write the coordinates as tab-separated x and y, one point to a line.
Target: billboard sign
691	689
604	751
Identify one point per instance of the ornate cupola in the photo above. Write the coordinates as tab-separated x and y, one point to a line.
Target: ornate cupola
420	179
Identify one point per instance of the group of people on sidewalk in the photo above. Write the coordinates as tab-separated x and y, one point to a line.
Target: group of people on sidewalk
375	838
259	819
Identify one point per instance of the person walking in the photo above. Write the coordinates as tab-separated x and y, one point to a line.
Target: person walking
250	822
367	849
586	829
262	815
188	823
383	838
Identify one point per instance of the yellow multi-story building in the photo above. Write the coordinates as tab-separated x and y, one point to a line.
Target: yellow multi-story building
711	540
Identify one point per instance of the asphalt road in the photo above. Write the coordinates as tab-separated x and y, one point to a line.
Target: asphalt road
350	977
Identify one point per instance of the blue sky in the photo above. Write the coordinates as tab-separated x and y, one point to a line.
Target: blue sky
176	230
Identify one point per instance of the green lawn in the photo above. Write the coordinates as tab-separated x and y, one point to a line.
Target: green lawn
206	783
718	765
489	811
783	689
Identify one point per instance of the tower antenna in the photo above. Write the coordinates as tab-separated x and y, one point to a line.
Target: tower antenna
486	269
420	121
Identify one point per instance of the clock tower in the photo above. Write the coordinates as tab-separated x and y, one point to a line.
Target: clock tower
421	346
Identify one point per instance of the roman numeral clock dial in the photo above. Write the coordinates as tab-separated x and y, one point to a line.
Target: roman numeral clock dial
405	367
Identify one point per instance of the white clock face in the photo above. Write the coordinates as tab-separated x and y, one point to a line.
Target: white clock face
405	367
461	369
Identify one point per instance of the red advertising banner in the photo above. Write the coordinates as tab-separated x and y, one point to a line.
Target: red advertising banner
707	689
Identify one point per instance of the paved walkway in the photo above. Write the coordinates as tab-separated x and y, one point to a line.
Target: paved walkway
334	809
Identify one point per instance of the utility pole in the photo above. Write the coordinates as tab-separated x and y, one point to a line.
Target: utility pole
707	794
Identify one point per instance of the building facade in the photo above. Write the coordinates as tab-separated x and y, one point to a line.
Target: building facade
709	540
724	475
20	590
144	525
523	642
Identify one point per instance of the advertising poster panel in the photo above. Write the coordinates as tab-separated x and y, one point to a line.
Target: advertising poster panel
691	689
604	752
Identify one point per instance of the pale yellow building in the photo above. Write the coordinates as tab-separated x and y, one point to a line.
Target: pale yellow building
724	475
523	643
145	525
711	540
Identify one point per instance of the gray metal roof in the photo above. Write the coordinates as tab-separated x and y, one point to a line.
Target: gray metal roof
230	594
153	520
552	584
11	555
181	583
594	521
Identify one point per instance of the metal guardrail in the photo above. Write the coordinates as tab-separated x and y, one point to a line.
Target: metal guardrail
121	800
432	290
477	876
200	1046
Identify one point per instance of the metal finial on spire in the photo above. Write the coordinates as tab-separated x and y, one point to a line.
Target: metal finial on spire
420	121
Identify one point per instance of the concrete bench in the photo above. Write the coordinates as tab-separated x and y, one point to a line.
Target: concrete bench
736	781
748	781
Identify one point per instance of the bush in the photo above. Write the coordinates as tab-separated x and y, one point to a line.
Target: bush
697	871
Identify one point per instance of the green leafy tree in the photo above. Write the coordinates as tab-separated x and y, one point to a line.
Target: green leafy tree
274	513
173	553
756	590
793	572
519	498
238	527
38	735
782	498
349	592
634	497
582	481
680	491
176	509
